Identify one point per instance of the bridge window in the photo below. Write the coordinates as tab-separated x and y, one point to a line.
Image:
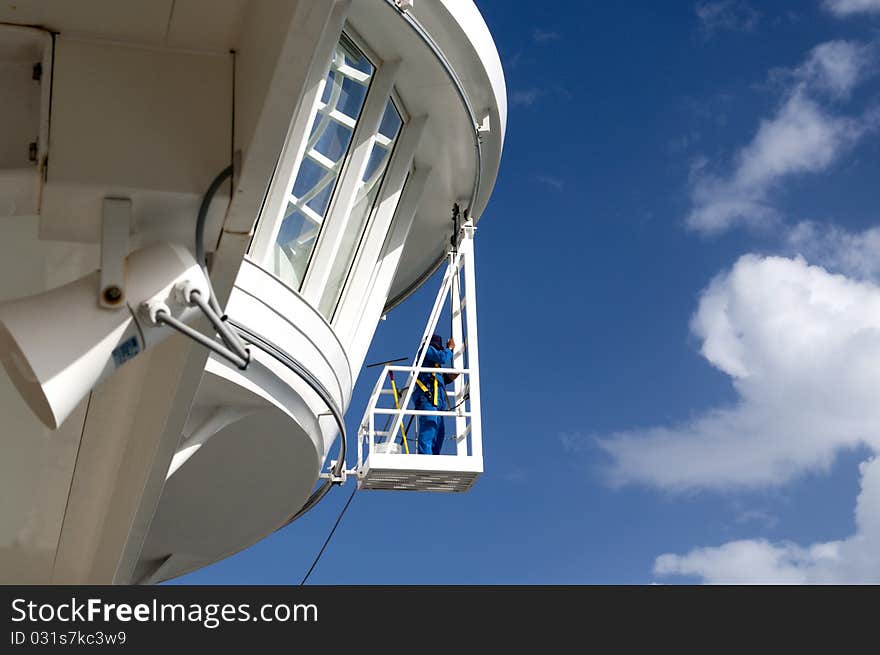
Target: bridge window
365	200
333	126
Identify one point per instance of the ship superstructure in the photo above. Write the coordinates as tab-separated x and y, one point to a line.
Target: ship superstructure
343	136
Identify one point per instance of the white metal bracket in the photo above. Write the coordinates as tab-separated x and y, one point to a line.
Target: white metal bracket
337	479
115	233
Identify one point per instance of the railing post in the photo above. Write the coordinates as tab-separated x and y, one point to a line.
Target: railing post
473	363
360	439
461	446
372	435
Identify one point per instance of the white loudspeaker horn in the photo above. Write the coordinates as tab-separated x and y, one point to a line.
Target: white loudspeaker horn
56	346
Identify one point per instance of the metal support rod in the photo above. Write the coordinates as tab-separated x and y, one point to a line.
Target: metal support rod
166	318
229	338
426	369
419	412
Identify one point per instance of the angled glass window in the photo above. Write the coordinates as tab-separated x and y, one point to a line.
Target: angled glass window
365	200
330	136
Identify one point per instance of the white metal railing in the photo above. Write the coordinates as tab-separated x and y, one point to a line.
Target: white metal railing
385	403
387	447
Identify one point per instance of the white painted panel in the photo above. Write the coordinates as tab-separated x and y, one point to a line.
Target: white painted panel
210	24
24	112
19	112
37	464
19	191
144	21
133	121
240	486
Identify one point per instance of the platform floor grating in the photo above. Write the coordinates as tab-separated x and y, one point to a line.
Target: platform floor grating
401	480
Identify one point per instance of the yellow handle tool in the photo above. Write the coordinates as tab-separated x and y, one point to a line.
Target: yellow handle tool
397	406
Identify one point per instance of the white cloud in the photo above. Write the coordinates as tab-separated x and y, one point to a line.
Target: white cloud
543	36
853	254
553	182
835	67
526	97
802	348
851	7
731	15
802	137
763	517
754	561
800	344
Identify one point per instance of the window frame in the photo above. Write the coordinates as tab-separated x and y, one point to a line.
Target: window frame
287	168
342	163
338	215
384	183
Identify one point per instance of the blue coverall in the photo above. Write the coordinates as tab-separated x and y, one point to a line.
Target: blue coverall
432	429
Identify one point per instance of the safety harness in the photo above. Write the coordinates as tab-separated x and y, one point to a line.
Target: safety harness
424	387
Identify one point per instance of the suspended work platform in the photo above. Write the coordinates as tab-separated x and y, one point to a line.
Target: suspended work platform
388	434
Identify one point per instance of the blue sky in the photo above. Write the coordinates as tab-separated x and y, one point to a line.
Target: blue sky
678	314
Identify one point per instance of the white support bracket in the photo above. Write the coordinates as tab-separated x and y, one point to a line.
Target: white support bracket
337	479
115	233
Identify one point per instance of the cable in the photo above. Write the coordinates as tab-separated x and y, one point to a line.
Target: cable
202	258
329	536
232	348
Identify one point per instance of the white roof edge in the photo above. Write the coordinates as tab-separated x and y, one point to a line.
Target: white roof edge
461	32
471	21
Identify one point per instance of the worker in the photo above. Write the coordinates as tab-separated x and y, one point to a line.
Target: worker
430	394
